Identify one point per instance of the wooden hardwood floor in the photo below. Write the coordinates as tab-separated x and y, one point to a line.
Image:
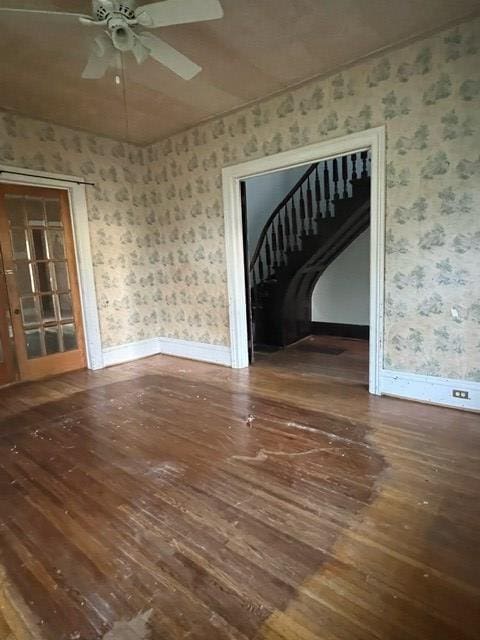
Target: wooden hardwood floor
344	359
167	499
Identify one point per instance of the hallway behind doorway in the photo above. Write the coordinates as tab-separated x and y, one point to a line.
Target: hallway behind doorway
340	359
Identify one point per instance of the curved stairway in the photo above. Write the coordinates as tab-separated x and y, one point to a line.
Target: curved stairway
316	221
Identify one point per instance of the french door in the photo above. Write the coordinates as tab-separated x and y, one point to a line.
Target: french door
43	320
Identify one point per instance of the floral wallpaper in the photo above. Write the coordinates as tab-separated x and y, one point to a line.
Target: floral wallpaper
119	221
428	96
157	219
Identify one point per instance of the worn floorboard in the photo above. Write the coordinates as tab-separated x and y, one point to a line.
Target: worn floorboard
167	499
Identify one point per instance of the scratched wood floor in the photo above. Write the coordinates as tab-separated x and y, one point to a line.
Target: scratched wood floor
167	499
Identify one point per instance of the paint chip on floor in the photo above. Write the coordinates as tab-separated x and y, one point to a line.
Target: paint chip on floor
138	628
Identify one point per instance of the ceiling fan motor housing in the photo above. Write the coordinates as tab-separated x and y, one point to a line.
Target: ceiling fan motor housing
105	9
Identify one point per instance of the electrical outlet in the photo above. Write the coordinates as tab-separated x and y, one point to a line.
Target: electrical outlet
458	393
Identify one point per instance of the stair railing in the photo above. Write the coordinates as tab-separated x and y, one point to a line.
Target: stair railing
299	214
280	232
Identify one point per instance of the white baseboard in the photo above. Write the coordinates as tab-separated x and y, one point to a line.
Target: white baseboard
429	389
130	351
216	354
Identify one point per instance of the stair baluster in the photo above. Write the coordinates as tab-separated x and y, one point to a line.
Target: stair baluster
326	190
268	257
302	213
309	208
354	166
364	156
345	176
287	230
281	243
294	225
336	195
253	288
274	247
318	197
261	271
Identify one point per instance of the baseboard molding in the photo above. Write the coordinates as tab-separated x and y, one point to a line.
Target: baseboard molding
131	351
430	389
216	354
341	330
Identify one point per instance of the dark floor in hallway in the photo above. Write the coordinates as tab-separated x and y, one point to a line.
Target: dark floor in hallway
328	356
186	500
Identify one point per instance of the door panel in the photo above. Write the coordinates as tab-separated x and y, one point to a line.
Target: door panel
37	244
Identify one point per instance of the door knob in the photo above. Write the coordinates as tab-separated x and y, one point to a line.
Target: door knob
16	312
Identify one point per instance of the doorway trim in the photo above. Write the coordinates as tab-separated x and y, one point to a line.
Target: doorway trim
373	139
83	253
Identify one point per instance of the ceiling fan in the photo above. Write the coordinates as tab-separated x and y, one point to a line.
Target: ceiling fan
123	22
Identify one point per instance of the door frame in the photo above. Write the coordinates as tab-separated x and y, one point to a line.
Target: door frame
248	301
77	198
8	363
372	139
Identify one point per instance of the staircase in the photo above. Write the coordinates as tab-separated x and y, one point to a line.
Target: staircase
316	221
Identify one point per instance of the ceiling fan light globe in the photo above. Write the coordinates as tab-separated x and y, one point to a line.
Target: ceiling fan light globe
123	37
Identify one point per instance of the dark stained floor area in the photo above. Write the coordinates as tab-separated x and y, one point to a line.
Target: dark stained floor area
328	356
167	499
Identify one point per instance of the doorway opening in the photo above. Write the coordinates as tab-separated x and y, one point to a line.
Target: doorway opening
306	238
41	325
369	148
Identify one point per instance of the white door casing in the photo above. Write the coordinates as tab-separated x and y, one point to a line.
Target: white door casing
372	139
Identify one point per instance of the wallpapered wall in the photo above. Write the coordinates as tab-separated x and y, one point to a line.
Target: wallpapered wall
121	224
427	94
157	219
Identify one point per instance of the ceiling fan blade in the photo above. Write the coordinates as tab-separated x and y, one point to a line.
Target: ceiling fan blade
90	22
140	51
101	58
108	5
167	12
170	57
48	13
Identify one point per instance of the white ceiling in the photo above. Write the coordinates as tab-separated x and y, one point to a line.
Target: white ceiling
258	48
